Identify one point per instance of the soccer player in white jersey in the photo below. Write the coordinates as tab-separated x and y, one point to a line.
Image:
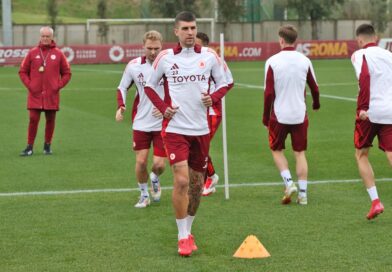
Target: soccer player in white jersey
286	75
146	127
186	70
373	68
214	119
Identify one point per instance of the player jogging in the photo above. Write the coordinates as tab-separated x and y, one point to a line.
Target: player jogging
146	127
186	70
373	68
286	75
214	119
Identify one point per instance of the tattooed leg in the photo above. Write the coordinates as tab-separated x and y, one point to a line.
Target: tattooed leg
196	180
180	189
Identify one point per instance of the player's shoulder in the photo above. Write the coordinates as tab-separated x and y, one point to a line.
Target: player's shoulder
209	52
164	54
135	61
379	50
57	50
357	55
274	58
33	50
134	64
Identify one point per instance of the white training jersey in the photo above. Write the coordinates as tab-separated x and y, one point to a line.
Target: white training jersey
229	80
186	73
290	73
379	65
137	72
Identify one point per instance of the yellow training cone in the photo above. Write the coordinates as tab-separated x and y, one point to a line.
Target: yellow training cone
251	248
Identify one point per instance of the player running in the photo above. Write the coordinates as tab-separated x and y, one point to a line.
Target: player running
214	119
286	75
373	68
186	70
146	127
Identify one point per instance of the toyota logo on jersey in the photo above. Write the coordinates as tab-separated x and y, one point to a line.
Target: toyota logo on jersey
191	78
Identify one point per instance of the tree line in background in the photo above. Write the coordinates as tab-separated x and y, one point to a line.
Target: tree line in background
252	11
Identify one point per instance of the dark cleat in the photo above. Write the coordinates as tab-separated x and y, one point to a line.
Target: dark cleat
27	152
47	149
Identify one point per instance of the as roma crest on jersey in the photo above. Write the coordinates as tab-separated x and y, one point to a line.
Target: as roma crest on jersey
202	64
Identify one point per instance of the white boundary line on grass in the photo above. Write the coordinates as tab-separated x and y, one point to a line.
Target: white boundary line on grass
322	95
121	190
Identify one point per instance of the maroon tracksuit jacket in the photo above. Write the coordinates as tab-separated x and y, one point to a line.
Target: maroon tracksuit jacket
43	87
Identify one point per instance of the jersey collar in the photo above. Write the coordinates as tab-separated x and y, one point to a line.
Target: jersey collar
288	48
178	49
51	45
370	45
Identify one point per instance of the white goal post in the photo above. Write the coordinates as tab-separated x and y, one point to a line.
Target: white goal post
151	20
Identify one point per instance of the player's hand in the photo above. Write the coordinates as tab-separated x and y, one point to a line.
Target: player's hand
119	114
316	106
363	115
206	99
265	122
156	113
170	112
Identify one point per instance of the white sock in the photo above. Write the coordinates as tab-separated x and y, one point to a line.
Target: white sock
303	185
182	228
189	220
154	178
143	189
286	177
372	191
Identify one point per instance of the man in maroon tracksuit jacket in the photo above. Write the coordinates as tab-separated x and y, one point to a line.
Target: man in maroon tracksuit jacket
44	71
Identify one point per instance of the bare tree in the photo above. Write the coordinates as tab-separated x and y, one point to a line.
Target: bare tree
314	10
52	13
230	10
169	8
103	28
378	14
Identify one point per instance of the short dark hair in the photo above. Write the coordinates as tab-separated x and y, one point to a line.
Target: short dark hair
365	29
203	37
288	33
185	16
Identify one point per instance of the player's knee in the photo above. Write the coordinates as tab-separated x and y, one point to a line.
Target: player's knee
389	156
141	163
181	183
33	120
360	154
158	167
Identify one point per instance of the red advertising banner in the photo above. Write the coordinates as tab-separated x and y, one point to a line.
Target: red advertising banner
245	51
311	49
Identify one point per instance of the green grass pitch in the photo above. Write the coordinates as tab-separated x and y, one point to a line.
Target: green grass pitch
103	232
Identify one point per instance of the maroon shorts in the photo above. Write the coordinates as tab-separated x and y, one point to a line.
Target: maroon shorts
193	149
142	140
213	123
365	131
278	134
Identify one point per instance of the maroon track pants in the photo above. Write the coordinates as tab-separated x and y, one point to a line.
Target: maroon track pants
33	125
